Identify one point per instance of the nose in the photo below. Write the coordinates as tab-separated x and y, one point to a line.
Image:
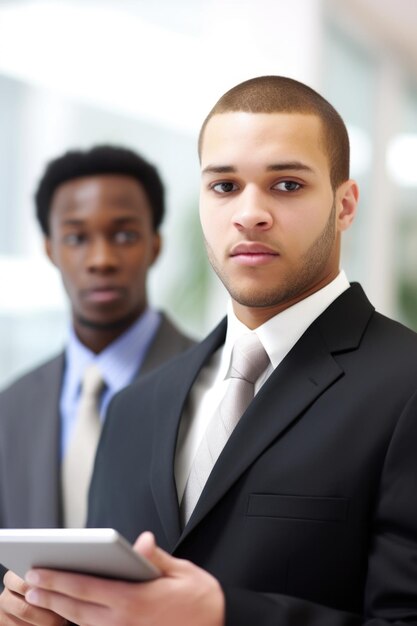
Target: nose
252	211
101	256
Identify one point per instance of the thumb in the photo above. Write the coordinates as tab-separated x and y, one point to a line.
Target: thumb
146	546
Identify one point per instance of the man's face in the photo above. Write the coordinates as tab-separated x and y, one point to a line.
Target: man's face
102	241
270	217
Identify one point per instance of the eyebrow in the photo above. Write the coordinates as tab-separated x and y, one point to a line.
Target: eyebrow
219	169
74	221
274	167
290	165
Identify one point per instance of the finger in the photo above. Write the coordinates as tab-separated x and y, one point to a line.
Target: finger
167	564
17	611
90	589
8	620
73	610
13	582
145	545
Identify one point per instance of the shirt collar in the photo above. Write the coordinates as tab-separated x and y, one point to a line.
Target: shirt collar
119	361
279	334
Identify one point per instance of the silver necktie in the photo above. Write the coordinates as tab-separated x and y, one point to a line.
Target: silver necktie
249	360
78	461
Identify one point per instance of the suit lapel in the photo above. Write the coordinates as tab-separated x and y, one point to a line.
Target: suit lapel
305	374
307	371
43	458
168	342
171	398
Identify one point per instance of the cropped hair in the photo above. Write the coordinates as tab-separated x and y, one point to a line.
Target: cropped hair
279	94
99	161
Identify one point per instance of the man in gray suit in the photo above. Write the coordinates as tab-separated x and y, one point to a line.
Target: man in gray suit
100	213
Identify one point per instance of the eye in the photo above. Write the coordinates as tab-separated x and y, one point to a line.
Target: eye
288	185
126	236
73	239
225	187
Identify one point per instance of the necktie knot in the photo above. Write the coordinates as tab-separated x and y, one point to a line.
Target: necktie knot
92	382
249	358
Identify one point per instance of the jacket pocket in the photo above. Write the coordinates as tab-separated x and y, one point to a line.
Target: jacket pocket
320	509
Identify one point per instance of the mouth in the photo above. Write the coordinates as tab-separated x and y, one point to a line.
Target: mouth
103	295
253	253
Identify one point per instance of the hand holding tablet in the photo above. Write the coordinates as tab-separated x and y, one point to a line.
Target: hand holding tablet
96	551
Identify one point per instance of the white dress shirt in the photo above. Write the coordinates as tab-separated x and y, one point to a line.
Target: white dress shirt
278	335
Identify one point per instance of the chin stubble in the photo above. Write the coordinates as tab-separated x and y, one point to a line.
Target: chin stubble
300	280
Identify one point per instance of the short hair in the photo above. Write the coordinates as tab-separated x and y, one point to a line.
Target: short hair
99	161
280	94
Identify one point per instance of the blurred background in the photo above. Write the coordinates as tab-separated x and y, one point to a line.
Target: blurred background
144	74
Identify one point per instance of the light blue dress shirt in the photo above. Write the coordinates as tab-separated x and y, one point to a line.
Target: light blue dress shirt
119	363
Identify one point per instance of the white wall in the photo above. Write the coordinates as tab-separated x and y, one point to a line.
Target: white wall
78	72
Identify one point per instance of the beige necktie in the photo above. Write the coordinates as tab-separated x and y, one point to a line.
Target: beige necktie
78	461
249	360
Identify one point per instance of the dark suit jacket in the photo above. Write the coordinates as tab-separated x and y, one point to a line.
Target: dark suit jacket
309	517
29	436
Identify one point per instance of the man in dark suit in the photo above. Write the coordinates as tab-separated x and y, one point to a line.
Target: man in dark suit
309	515
100	212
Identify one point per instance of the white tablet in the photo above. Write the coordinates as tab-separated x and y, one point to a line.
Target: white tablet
96	551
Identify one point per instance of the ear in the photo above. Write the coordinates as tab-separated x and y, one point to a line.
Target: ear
156	247
347	196
47	245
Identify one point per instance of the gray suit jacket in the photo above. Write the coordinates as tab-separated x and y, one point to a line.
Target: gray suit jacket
30	430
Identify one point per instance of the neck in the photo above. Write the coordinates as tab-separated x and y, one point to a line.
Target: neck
97	338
